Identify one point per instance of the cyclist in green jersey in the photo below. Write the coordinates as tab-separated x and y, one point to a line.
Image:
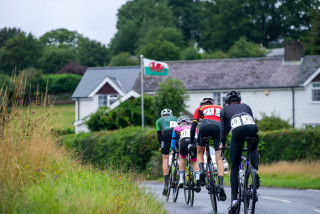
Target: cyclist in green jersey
165	124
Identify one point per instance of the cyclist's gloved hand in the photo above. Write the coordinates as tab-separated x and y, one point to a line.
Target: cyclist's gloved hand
193	150
221	145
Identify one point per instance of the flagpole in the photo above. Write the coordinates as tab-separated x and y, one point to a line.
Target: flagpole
142	109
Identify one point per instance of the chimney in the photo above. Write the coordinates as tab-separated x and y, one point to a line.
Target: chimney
293	51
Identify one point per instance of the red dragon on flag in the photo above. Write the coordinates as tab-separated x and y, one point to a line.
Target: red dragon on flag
157	67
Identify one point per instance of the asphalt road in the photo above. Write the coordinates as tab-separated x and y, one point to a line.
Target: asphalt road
271	201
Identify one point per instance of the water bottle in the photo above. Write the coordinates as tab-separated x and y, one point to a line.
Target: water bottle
241	176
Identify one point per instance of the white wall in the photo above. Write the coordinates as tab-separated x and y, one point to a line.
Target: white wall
88	106
307	112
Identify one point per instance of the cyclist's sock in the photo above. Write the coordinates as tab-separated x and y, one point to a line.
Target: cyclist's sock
234	202
181	173
220	178
166	178
196	173
201	166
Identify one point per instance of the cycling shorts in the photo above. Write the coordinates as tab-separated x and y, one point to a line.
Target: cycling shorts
183	146
212	130
166	141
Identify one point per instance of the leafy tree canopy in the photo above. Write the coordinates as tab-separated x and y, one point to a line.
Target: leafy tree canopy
61	37
161	50
242	49
171	94
7	33
123	59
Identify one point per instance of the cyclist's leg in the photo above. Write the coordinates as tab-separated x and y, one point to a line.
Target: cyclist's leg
203	132
183	149
254	155
165	148
236	147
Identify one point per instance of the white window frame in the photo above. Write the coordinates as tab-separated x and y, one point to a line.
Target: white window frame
107	99
317	88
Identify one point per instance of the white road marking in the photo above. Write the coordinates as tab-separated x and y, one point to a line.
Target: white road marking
277	199
313	190
316	210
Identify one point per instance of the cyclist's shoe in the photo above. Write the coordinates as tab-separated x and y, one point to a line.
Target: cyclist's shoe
202	178
165	191
233	209
257	180
197	187
221	192
180	185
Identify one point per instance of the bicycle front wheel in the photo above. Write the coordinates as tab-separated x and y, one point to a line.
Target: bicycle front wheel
175	187
250	192
211	187
192	184
186	187
169	184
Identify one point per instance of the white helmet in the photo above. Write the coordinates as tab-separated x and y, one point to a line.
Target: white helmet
166	112
206	100
183	119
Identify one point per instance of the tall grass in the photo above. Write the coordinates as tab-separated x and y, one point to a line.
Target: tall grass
37	174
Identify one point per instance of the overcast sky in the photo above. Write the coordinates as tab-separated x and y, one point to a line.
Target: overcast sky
95	19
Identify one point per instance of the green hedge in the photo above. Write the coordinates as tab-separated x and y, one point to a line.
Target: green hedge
133	147
290	144
59	83
130	146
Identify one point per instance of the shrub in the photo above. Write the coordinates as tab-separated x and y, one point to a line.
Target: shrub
129	146
59	83
269	123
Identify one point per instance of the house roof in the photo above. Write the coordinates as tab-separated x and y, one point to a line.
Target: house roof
236	73
123	77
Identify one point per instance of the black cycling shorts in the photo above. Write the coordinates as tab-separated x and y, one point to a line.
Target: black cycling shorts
183	146
166	141
212	130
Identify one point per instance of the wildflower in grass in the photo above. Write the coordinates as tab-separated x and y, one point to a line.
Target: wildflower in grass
148	176
115	173
39	170
43	173
58	141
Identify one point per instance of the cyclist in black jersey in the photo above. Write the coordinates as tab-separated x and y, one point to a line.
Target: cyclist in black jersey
237	117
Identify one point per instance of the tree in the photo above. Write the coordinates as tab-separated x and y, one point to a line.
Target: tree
190	53
7	33
312	40
135	19
20	52
161	50
61	37
73	68
242	49
171	94
214	55
123	59
92	53
54	58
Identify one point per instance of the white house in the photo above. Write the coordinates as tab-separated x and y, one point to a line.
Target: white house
288	87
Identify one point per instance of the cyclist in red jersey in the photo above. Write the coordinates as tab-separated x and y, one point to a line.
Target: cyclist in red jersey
210	126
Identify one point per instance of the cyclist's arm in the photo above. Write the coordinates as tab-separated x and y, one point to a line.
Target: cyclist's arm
159	133
223	132
193	130
174	141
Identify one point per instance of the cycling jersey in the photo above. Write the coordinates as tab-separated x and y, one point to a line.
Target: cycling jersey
234	116
164	127
181	133
210	124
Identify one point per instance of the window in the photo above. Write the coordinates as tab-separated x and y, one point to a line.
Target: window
315	91
217	98
107	100
103	100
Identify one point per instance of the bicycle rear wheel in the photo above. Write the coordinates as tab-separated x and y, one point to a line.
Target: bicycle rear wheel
186	187
211	187
240	195
169	184
191	191
175	187
250	192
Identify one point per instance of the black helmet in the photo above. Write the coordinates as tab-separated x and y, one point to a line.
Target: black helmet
183	119
166	112
233	96
206	100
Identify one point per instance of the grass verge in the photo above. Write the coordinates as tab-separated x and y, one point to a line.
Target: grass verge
37	174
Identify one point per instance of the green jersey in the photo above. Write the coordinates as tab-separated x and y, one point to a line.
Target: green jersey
166	123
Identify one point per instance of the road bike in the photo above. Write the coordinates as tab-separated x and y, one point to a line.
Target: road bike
173	177
247	188
189	181
211	176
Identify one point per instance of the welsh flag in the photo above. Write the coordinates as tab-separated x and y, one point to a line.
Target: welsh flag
152	67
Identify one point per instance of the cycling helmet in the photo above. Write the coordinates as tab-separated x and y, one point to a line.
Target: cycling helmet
182	119
166	112
208	100
233	96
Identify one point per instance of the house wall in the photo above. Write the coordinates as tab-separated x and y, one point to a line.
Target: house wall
307	111
88	106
